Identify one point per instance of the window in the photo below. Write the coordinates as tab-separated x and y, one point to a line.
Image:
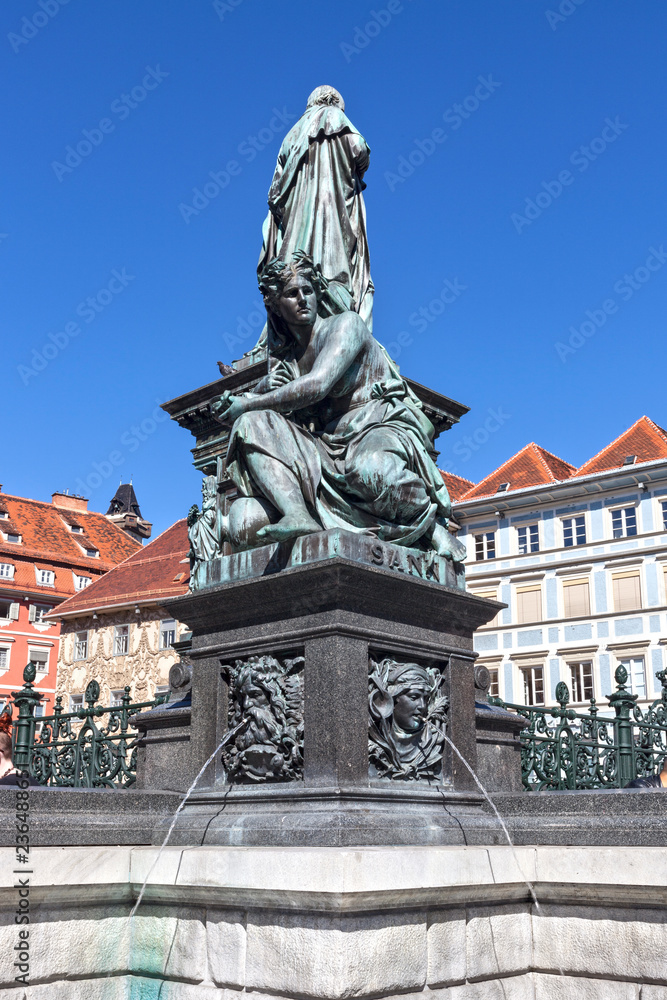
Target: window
4	658
491	595
529	539
11	536
574	530
45	577
76	528
9	610
117	697
663	504
81	582
36	612
81	646
93	553
493	686
485	546
624	522
627	591
529	604
4	514
121	640
75	702
636	674
167	633
576	599
582	680
533	684
40	657
7	571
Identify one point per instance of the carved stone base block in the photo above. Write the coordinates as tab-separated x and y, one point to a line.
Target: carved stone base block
333	686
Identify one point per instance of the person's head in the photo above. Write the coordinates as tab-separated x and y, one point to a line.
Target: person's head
410	687
6	735
5	747
325	95
292	292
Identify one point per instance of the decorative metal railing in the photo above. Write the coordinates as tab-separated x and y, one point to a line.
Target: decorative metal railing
562	748
92	747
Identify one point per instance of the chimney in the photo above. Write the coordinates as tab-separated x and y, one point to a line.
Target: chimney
67	501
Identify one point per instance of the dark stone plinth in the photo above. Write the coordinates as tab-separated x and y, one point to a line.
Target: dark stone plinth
336	599
69	817
499	747
164	758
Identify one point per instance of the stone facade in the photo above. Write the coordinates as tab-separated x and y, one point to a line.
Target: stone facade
145	667
445	923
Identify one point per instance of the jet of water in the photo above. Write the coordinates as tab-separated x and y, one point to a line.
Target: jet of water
227	738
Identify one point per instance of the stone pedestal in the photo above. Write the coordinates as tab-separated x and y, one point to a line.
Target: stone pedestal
328	604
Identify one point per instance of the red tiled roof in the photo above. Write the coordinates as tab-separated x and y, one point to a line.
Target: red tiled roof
456	485
46	541
532	466
157	571
644	439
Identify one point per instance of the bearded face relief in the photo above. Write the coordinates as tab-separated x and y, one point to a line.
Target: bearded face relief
266	717
407	721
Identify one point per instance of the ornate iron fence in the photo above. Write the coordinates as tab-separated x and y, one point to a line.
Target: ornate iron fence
92	747
562	748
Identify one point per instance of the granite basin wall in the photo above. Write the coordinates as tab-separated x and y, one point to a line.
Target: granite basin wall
452	922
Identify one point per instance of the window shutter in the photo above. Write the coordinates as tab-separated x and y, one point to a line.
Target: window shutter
491	595
32	613
529	605
576	599
627	592
14	611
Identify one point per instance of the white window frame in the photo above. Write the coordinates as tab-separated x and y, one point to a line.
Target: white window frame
42	652
575	543
49	573
78	642
8	650
634	573
12	606
523	589
532	538
117	636
574	581
7	571
524	668
623	510
13	538
627	662
36	613
577	663
91	553
163	631
75	702
116	697
77	581
663	514
481	539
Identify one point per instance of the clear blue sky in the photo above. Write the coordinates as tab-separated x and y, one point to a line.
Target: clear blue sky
217	78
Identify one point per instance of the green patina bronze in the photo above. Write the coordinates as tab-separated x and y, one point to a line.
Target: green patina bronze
565	749
72	749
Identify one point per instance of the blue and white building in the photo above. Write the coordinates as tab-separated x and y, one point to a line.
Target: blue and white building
580	558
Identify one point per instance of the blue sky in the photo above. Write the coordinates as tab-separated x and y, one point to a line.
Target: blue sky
534	199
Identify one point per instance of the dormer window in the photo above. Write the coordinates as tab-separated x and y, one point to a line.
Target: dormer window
7	571
76	528
629	460
45	577
11	536
503	488
81	582
4	514
92	553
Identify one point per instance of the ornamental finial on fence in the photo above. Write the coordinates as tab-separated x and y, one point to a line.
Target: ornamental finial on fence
24	729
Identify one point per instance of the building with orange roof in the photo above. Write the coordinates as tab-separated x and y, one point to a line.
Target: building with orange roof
579	555
48	552
117	632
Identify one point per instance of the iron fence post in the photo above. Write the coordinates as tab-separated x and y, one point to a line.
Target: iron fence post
623	702
24	728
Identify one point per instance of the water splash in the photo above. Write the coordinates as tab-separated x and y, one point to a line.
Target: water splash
226	739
